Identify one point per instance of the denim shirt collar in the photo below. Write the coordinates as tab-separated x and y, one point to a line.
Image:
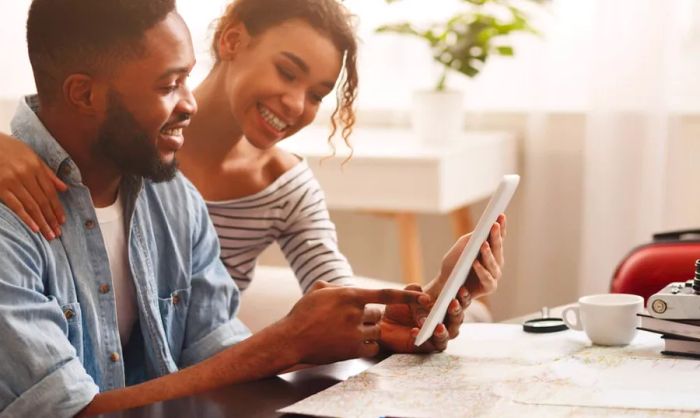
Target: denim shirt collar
27	126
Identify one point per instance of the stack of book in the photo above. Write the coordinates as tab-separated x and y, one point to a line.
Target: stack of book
681	336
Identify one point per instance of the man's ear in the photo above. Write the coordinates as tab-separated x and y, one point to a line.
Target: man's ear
233	36
80	93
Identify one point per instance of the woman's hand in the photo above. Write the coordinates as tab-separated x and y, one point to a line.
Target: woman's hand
482	279
487	268
30	188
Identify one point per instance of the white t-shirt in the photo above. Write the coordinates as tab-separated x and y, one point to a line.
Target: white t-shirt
111	221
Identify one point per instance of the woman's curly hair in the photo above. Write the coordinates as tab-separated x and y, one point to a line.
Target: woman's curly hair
328	17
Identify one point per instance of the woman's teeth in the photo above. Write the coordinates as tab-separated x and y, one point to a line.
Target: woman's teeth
273	120
172	132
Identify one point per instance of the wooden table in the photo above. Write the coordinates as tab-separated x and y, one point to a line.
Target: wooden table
255	399
392	174
262	398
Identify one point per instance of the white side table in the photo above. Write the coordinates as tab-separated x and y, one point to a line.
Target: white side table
392	174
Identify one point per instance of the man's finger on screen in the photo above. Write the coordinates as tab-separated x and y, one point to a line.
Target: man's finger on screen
389	296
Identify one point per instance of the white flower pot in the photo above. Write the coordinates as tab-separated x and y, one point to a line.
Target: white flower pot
437	116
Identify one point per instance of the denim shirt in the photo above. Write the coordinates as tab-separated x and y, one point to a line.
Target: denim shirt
59	340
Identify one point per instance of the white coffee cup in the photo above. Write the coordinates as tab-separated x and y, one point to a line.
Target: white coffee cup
608	319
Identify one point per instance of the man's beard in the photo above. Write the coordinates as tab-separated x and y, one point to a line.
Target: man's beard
122	141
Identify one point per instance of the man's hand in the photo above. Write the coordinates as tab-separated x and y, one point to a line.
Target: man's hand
331	323
400	327
29	188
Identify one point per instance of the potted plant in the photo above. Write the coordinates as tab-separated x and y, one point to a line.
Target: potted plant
461	44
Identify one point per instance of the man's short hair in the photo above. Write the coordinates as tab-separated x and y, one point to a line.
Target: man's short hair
86	36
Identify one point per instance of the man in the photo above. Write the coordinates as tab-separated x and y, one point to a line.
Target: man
132	305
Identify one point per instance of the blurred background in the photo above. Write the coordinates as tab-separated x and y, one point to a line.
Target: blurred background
604	106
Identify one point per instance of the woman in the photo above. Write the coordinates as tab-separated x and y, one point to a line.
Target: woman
272	70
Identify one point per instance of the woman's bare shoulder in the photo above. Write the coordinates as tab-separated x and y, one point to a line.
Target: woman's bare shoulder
279	162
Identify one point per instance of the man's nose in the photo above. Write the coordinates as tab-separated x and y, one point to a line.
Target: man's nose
187	103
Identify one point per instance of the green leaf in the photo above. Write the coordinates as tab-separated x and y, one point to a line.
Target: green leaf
400	28
465	40
505	50
484	36
469	71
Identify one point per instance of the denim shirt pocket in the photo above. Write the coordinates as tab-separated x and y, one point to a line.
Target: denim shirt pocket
173	313
74	317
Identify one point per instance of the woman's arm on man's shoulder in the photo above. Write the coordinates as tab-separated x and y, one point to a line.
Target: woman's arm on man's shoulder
30	188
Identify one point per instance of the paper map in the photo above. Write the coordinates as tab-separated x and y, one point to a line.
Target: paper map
496	370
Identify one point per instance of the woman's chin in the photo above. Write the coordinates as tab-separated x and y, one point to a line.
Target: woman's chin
261	143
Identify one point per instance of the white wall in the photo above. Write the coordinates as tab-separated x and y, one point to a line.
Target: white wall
15	71
548	73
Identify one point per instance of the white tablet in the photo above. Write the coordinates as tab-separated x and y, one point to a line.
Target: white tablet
496	206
